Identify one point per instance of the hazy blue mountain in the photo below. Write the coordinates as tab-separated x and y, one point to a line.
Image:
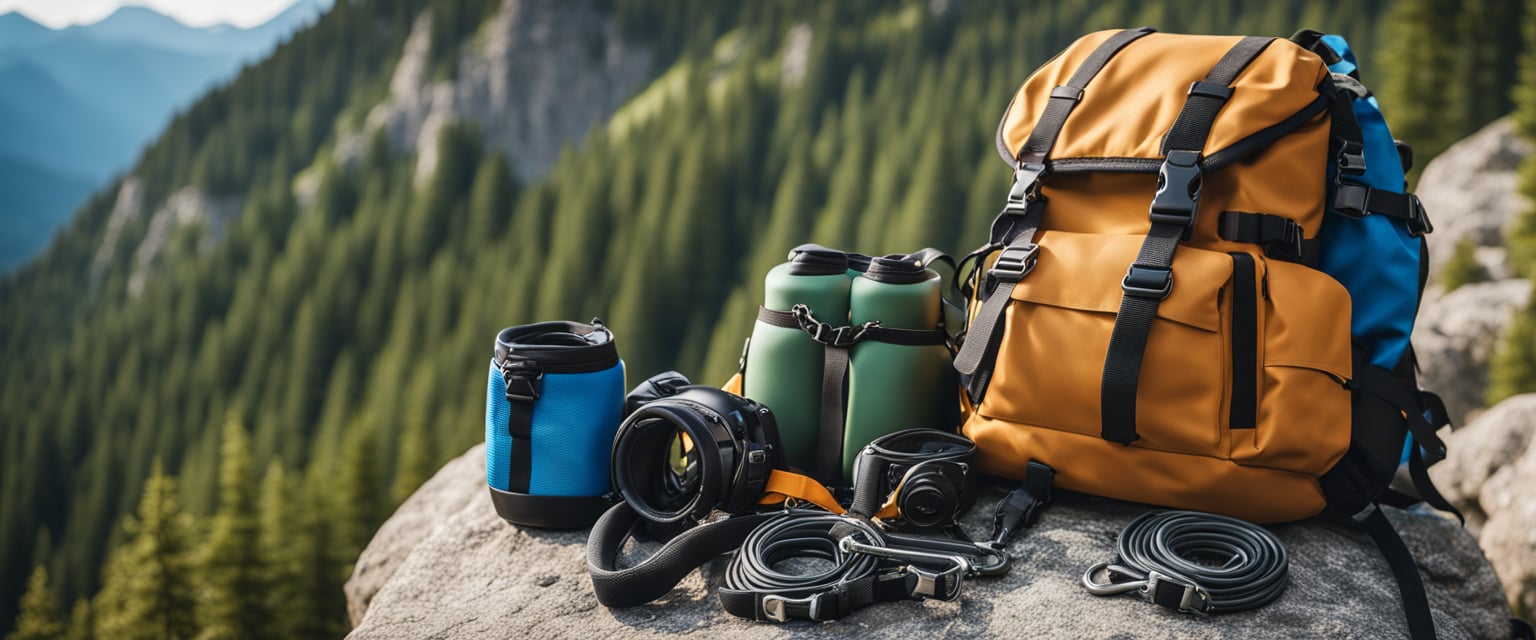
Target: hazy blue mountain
33	202
17	30
77	104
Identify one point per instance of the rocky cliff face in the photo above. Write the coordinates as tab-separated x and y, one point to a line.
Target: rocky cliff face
542	75
534	79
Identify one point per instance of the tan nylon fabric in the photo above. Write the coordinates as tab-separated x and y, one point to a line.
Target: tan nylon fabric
1043	402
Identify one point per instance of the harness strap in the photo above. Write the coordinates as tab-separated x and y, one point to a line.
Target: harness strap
783	485
1150	278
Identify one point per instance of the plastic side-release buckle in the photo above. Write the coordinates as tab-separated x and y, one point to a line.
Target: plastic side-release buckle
524	379
1176	594
780	608
1352	200
1178	190
1147	281
1026	187
1418	221
1014	262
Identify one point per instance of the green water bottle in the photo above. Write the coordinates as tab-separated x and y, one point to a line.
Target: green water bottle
784	365
892	387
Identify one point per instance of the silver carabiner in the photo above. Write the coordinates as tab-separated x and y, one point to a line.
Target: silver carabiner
1110	587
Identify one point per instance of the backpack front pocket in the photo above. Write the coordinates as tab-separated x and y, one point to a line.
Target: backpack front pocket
1057	331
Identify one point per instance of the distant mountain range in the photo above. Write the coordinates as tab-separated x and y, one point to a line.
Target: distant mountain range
76	104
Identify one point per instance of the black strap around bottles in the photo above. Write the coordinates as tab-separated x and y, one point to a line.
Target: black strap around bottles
836	342
1150	278
1019	251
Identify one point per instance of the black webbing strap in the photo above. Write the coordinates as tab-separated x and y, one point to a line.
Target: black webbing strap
1018	256
831	417
524	379
1065	97
1207	97
1358	201
817	605
1015	261
658	574
836	342
1410	586
1280	238
1150	278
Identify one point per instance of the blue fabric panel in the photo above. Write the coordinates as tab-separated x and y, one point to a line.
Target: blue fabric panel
498	442
1375	258
573	426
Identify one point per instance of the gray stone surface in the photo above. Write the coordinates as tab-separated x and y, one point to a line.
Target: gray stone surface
446	567
1489	473
1456	334
1469	190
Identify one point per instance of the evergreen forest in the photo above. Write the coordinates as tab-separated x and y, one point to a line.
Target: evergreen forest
204	453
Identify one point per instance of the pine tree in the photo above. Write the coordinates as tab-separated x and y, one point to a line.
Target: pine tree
1417	77
147	589
277	528
233	569
39	619
80	621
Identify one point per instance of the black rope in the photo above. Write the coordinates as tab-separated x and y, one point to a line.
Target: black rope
1195	562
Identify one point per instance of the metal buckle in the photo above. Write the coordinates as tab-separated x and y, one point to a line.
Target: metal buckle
524	379
1193	599
943	585
1015	262
843	336
1352	200
1419	223
779	608
1178	190
1146	281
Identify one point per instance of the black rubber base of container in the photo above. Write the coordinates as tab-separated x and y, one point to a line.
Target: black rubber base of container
548	512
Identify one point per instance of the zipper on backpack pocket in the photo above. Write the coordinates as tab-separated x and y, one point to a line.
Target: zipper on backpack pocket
1245	347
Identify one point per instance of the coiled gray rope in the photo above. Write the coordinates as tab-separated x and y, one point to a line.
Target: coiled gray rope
1195	562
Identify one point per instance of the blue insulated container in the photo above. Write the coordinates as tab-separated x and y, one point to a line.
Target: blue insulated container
554	398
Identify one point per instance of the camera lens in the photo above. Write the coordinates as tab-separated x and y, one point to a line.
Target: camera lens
681	456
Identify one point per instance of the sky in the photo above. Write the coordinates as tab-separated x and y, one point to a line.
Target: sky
197	13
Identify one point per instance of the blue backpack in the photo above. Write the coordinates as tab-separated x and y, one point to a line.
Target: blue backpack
1373	243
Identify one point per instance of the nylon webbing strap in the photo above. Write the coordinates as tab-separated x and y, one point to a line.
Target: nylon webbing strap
1150	278
836	342
1065	98
829	439
1280	237
653	577
1016	261
1206	98
523	378
1019	254
783	485
1410	586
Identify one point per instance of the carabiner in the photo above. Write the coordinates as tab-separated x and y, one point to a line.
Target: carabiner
1110	587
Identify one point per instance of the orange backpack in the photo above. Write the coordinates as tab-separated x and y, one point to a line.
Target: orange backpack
1149	317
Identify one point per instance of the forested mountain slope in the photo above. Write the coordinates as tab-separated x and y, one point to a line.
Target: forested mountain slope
285	261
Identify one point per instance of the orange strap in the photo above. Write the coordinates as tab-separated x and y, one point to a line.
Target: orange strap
783	485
